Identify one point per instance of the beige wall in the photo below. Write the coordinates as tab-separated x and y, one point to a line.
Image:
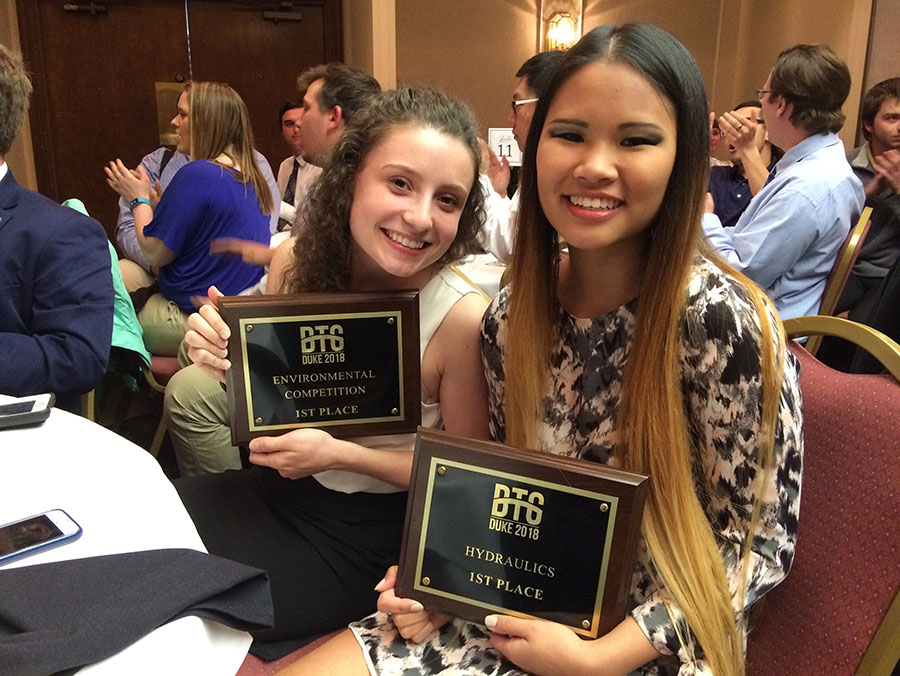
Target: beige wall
357	27
695	23
767	26
471	48
883	62
735	43
370	40
20	157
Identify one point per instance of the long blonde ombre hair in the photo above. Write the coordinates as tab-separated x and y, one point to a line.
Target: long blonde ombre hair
220	124
652	425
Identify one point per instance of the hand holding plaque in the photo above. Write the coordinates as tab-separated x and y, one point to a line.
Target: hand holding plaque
207	338
346	363
413	621
492	529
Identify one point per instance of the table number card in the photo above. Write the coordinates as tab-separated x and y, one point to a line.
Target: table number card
503	143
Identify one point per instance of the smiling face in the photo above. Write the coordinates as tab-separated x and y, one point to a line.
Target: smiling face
182	124
603	160
408	198
290	129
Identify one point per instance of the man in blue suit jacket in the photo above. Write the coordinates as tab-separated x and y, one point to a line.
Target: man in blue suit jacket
56	294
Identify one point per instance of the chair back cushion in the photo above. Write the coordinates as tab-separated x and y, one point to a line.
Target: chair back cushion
846	569
163	368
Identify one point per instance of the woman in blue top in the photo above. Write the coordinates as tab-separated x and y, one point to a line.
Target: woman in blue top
220	193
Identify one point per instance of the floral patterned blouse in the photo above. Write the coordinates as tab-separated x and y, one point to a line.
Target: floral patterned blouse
721	380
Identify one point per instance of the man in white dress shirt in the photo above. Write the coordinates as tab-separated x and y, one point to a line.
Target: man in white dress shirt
295	175
499	231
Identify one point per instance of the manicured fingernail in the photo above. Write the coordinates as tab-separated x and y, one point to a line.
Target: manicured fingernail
490	621
378	586
416	607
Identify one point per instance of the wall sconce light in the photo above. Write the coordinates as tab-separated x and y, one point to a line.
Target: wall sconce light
560	23
561	31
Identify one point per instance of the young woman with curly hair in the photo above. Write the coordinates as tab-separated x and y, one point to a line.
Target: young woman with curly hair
393	208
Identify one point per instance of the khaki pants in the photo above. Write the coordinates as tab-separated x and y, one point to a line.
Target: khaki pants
164	325
196	408
134	276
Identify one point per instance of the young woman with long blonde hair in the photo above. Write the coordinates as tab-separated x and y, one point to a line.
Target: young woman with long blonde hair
220	193
639	349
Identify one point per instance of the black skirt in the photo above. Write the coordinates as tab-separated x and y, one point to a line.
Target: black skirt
324	550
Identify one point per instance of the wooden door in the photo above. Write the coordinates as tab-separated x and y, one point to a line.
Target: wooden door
260	55
95	65
94	94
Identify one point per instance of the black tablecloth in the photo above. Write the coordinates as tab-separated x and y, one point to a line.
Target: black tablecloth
58	617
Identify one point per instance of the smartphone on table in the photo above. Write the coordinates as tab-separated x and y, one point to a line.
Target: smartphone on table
25	410
36	533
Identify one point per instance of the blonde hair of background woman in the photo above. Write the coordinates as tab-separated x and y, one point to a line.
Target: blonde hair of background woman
220	124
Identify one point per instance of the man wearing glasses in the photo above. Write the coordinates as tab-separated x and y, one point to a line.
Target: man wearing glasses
789	236
499	231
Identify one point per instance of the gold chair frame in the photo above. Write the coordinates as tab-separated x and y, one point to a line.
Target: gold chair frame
840	273
874	342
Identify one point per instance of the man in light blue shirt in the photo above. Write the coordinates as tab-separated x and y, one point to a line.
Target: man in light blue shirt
788	238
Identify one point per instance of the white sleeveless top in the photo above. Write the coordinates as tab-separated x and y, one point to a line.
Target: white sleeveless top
435	300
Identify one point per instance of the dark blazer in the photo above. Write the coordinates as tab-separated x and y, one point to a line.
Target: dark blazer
56	297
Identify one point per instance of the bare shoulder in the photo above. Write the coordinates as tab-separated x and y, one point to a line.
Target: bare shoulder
459	334
282	261
452	368
464	318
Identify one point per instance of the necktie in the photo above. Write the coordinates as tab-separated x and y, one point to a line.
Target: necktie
291	184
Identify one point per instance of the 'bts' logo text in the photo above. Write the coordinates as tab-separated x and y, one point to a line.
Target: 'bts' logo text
321	338
517	504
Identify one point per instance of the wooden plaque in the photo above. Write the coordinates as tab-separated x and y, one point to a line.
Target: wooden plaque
347	363
493	529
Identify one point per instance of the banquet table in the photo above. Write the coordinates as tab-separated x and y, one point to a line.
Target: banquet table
119	495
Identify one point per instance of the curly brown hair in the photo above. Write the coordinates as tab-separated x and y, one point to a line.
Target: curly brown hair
15	90
322	252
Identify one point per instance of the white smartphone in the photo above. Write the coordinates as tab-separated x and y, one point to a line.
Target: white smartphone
25	410
36	533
